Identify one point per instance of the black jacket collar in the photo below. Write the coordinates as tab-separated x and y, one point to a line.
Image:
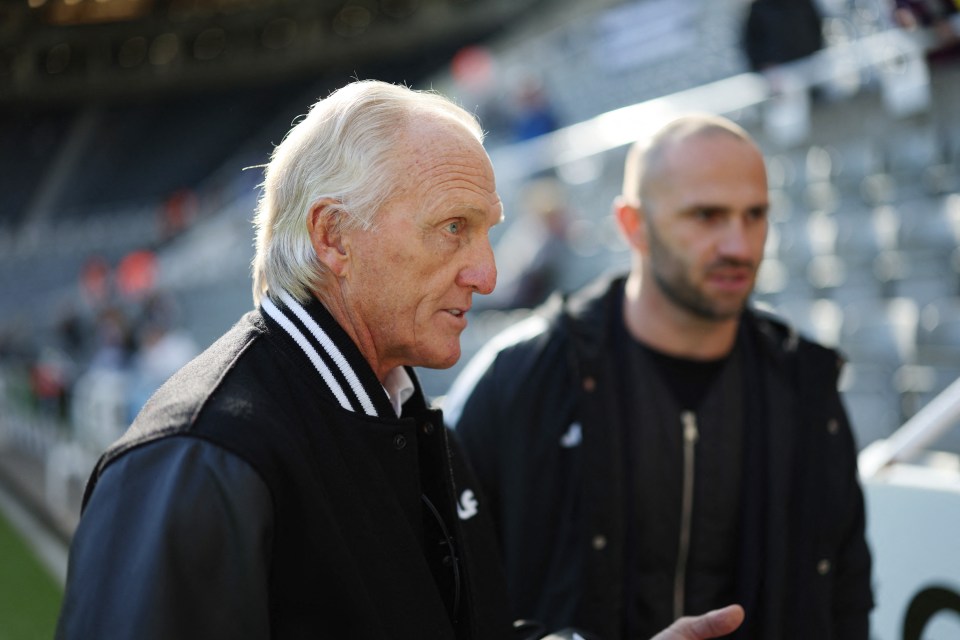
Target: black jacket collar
588	315
337	360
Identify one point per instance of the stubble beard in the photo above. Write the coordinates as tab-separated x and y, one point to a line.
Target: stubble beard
681	292
669	273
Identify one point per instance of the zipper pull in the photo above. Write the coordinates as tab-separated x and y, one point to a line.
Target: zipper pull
690	437
690	432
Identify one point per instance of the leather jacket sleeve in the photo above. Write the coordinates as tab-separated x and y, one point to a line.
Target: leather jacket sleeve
173	543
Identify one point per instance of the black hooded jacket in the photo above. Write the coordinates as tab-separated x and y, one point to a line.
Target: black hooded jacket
539	416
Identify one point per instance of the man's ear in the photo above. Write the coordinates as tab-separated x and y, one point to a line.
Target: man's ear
630	220
323	225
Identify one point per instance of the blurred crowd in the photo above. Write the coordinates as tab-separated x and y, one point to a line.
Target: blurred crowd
121	336
110	346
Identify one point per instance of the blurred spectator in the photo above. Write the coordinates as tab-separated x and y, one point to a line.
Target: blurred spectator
775	33
136	273
474	71
533	113
95	284
911	14
781	31
476	82
73	333
16	362
114	340
138	345
50	382
534	252
942	17
161	352
161	349
177	214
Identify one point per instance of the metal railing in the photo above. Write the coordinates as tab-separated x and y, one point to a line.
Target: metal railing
916	435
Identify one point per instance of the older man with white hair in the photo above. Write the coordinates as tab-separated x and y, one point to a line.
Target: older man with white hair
292	481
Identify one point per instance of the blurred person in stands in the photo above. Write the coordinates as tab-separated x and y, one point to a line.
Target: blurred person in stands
653	446
533	114
777	32
942	17
178	213
113	339
162	348
291	481
534	253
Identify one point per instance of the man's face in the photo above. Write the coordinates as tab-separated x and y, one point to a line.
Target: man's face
413	276
706	224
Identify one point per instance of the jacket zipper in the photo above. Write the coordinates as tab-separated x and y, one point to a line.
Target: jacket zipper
690	436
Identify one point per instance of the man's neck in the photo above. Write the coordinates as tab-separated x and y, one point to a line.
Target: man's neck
338	309
660	324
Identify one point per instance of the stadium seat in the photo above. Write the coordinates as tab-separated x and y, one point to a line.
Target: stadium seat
871	400
880	331
938	334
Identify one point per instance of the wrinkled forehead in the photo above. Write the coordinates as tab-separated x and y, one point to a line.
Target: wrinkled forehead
421	135
434	146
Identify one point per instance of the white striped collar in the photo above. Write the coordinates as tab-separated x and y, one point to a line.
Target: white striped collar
348	377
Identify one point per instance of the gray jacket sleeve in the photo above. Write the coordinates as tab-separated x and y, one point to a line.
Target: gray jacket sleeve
174	543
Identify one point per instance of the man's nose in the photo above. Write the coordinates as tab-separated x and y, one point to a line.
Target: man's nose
481	272
735	241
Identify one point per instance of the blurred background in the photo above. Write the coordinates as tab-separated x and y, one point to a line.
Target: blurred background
131	132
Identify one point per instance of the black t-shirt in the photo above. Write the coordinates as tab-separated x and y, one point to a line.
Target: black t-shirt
688	380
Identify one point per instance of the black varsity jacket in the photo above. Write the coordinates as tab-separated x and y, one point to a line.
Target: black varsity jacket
268	490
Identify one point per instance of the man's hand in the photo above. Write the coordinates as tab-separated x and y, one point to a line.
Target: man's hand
712	624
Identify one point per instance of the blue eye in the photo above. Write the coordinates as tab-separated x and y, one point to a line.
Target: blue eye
454	227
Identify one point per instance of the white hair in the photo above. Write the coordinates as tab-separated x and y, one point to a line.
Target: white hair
342	150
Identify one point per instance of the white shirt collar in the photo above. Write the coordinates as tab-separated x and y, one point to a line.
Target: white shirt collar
399	388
